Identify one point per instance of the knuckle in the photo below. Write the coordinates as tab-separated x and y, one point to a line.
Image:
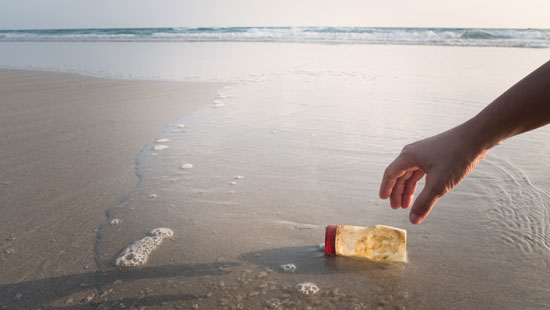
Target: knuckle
437	190
409	189
386	176
390	171
406	149
408	152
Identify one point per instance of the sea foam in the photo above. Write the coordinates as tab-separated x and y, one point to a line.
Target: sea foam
288	268
307	288
137	253
533	38
160	147
218	104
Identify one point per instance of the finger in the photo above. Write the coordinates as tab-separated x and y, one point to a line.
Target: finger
397	192
410	188
425	202
395	170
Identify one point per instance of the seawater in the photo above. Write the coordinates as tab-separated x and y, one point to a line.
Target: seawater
295	149
506	37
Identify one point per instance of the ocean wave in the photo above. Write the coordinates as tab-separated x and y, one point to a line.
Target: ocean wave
476	34
528	38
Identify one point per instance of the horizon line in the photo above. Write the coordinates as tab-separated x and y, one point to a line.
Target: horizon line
287	26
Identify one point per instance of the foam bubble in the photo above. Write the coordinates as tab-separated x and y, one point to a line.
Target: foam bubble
218	103
305	226
160	147
307	288
181	125
238	177
299	226
186	166
153	196
274	303
137	253
162	140
233	183
288	267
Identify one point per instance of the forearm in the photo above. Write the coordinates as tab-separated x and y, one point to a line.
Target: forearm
523	107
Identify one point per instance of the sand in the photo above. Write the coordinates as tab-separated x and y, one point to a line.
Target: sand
68	146
231	238
311	142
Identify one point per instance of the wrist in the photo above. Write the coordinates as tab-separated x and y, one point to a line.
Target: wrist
475	139
482	135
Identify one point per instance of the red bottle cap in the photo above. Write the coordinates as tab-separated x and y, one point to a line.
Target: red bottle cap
330	239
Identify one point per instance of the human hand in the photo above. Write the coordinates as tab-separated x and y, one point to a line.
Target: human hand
449	157
446	159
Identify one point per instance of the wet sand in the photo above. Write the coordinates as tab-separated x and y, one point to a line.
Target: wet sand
289	153
310	135
68	148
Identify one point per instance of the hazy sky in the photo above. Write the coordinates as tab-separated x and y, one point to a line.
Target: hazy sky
25	14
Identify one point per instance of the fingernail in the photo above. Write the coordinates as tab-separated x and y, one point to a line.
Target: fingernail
415	219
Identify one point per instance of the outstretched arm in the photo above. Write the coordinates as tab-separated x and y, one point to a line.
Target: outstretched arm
449	157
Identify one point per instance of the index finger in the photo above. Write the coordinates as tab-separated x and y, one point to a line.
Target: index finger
396	169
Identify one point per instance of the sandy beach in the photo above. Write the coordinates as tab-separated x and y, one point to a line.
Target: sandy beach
69	144
246	163
161	155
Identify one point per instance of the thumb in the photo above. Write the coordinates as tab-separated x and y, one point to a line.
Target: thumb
425	201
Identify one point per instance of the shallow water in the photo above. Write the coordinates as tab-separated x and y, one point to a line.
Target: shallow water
310	133
310	145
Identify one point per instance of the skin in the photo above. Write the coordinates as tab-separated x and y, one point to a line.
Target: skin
449	157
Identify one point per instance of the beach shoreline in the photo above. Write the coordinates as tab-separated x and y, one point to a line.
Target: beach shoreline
260	168
69	147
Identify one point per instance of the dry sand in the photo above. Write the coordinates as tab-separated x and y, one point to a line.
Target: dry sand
68	145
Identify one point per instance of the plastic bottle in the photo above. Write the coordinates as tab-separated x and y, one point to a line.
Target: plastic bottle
378	242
